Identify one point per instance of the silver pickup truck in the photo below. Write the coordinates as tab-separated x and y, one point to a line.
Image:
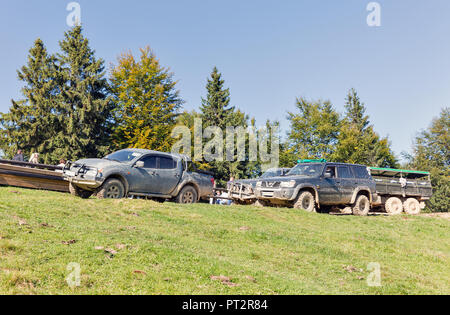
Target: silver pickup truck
141	173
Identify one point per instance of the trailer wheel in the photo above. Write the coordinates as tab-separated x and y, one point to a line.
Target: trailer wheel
394	206
78	192
412	206
361	207
306	201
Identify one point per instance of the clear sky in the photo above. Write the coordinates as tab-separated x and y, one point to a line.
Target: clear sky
269	51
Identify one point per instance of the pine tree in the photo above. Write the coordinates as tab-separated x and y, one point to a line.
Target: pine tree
358	142
85	104
32	123
147	103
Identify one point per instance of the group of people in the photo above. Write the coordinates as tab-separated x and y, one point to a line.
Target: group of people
222	198
34	158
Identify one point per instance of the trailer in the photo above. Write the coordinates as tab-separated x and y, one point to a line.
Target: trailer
34	176
401	190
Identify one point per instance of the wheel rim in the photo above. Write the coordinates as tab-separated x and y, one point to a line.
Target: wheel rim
413	208
395	207
113	192
363	205
188	197
306	203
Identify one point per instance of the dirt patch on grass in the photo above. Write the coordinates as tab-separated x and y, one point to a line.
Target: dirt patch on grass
443	215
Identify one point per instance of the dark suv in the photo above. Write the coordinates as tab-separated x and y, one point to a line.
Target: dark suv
321	185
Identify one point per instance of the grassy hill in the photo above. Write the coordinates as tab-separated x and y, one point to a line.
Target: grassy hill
142	247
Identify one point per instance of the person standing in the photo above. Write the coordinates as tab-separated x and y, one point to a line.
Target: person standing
19	156
34	159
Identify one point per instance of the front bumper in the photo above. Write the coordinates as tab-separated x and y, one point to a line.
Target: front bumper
285	194
242	192
85	183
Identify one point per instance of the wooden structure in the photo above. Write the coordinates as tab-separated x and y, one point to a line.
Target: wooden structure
35	176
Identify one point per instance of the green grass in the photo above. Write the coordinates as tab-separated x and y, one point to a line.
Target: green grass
176	249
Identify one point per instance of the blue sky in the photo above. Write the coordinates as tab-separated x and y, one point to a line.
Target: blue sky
270	52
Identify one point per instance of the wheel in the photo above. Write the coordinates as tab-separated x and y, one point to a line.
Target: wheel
306	201
112	189
188	195
393	206
362	206
412	206
78	192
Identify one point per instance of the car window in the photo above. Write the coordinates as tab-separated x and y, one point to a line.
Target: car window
361	172
344	172
310	170
123	156
167	163
149	162
331	170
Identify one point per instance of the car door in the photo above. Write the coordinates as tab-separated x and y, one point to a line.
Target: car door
346	183
329	192
168	174
144	180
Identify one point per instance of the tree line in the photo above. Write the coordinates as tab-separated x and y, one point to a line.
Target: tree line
73	108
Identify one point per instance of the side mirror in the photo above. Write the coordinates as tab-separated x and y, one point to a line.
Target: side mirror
139	164
327	175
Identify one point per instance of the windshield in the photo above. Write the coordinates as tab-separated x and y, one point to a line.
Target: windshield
272	173
311	170
123	156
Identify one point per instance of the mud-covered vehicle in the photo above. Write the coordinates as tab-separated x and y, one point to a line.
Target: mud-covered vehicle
401	190
319	185
139	173
242	191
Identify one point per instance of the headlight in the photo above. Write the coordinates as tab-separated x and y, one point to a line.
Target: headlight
290	184
259	184
92	173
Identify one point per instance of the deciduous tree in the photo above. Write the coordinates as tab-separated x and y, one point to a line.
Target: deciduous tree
147	102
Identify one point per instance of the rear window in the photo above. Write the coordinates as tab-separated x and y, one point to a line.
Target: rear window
344	172
167	163
361	172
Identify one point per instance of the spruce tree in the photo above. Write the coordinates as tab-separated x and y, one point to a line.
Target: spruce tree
85	104
216	111
32	122
358	142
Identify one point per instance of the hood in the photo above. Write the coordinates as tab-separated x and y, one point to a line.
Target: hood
285	178
97	163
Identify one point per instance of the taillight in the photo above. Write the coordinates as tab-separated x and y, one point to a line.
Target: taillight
213	182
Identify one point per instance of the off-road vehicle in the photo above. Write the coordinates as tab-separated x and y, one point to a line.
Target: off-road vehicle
320	185
242	191
141	173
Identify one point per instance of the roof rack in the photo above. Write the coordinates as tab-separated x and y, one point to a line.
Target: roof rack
312	161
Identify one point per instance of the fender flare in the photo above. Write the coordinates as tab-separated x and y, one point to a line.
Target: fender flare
361	189
184	184
120	177
302	187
